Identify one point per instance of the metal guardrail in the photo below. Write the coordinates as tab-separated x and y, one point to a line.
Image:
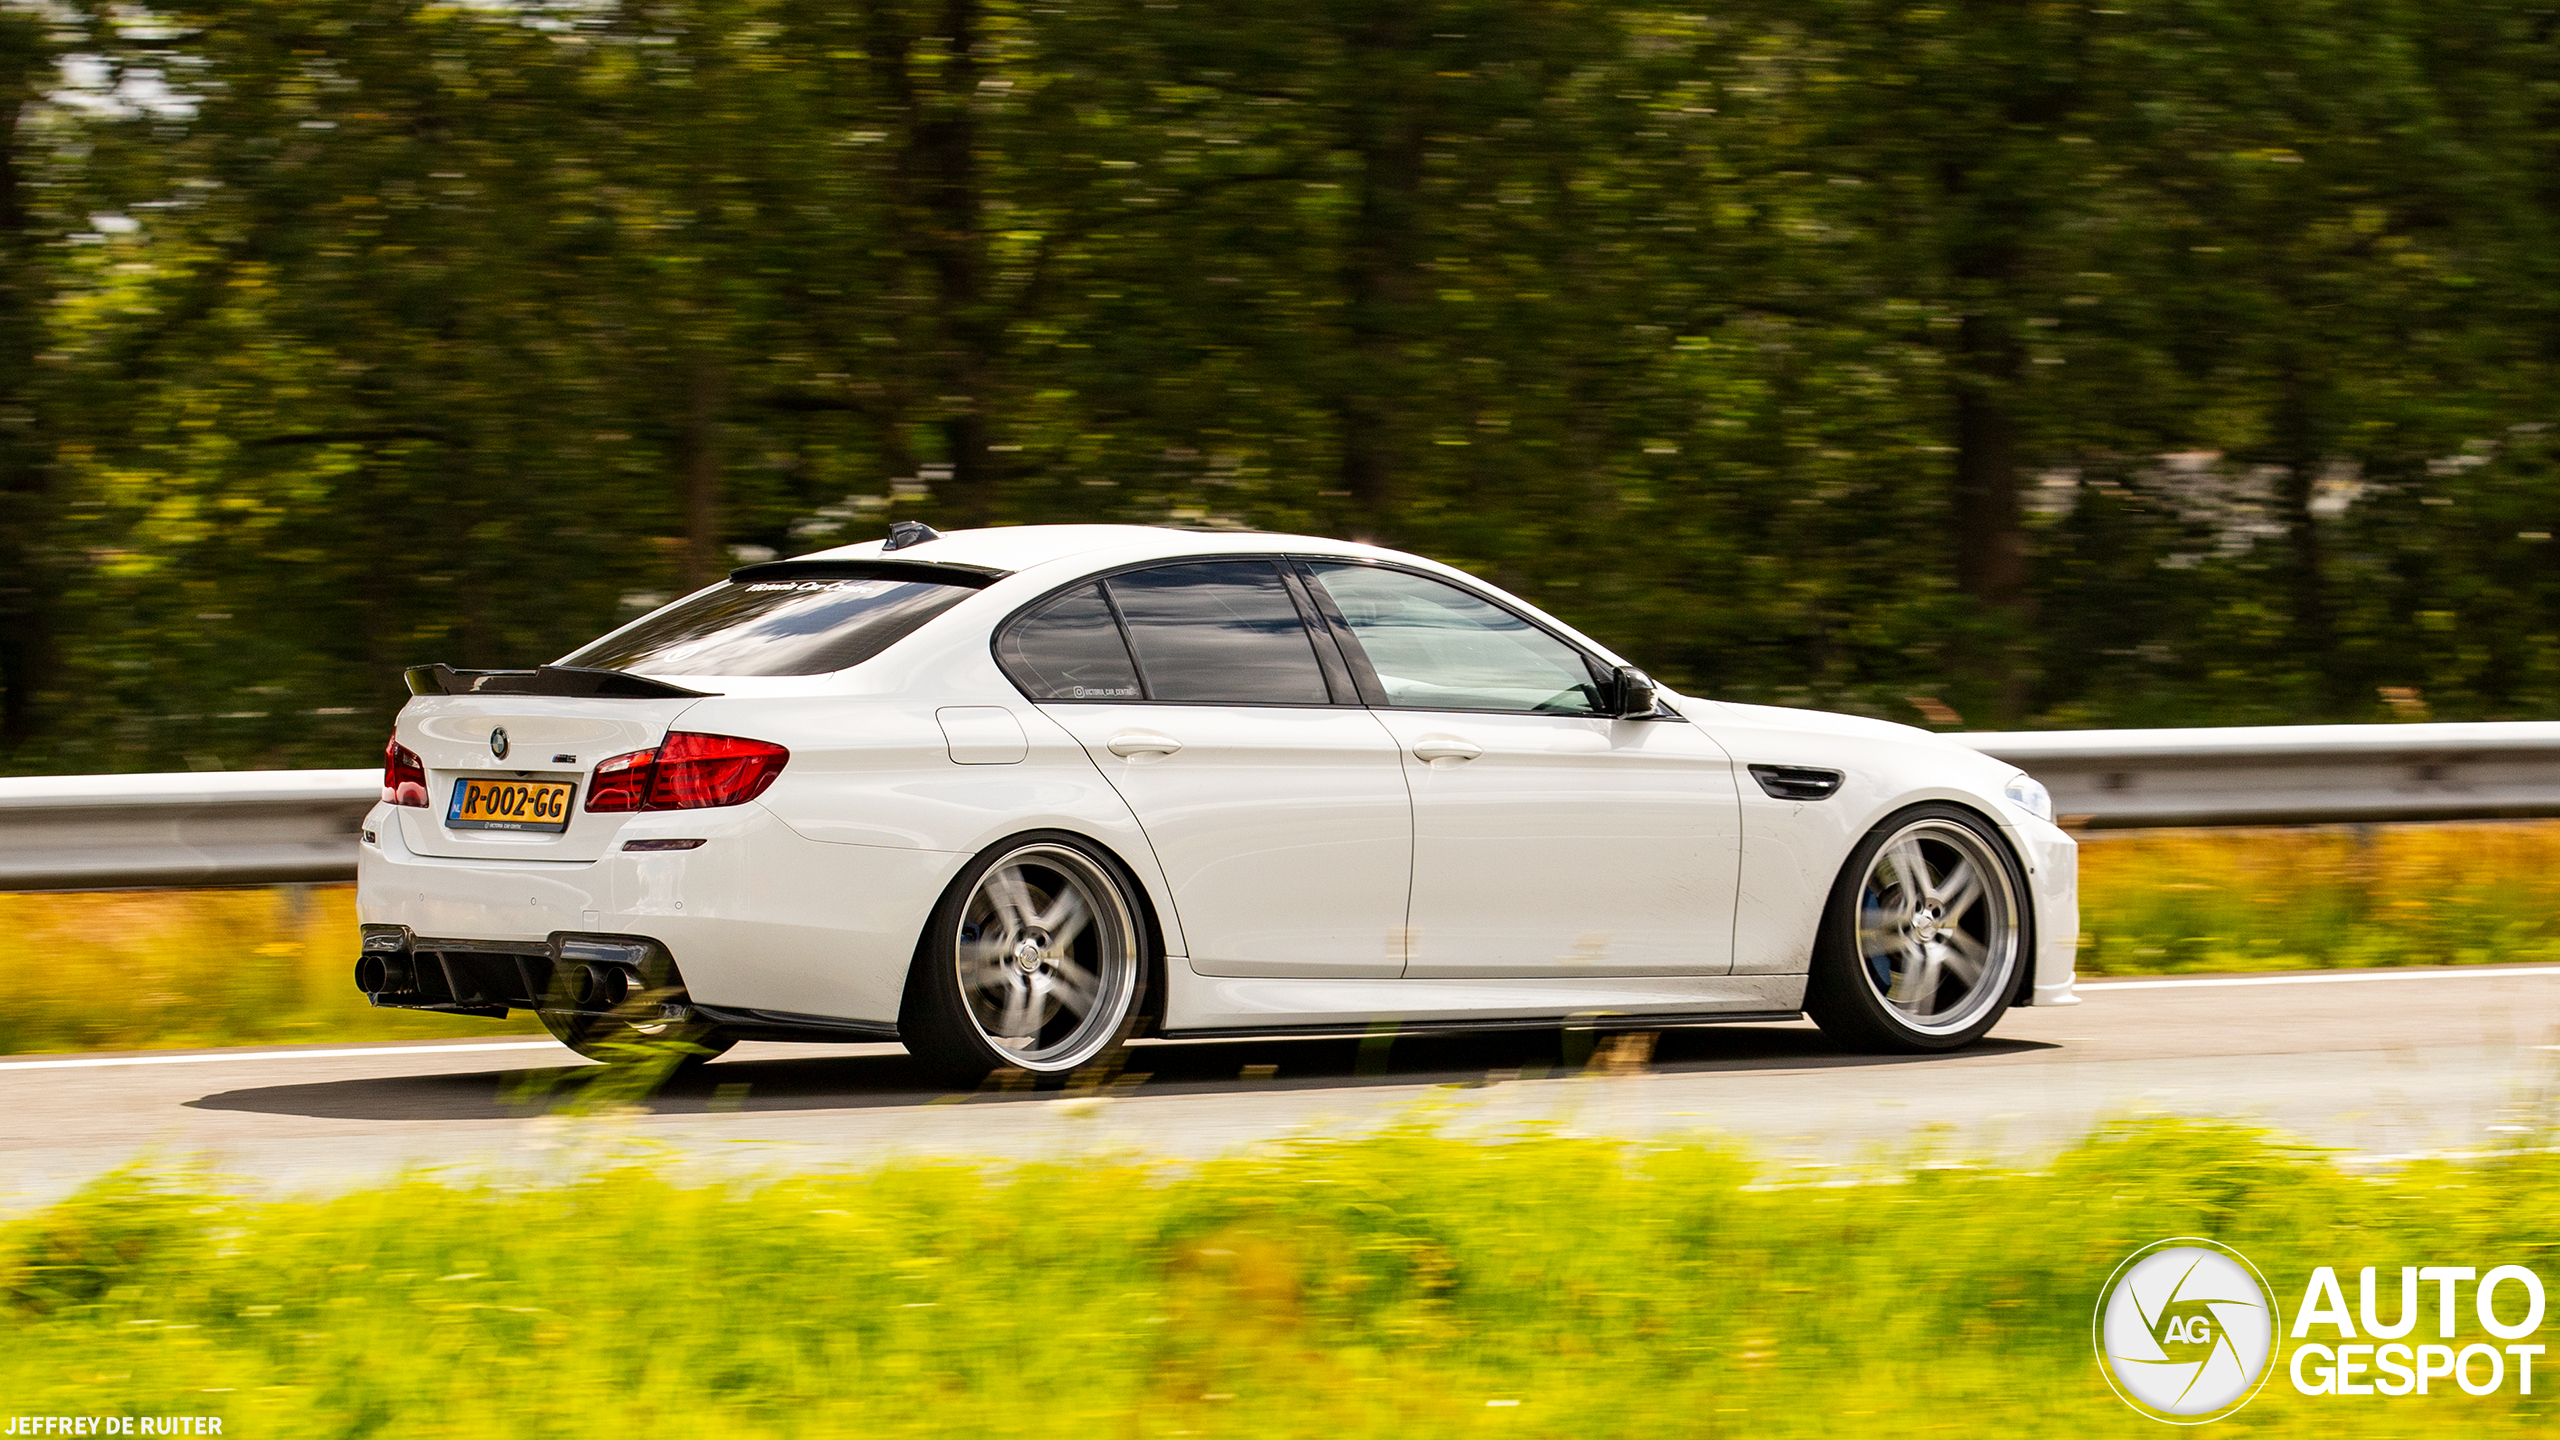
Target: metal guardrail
2289	774
111	832
99	832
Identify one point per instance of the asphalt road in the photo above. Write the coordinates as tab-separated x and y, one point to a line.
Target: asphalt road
2382	1064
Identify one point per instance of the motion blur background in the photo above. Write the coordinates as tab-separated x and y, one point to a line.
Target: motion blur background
1994	364
1979	363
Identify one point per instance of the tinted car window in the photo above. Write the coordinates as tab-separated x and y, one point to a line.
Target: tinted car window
774	627
1070	649
1219	632
1436	647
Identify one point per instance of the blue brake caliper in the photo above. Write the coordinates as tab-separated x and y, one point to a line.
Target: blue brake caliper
1878	966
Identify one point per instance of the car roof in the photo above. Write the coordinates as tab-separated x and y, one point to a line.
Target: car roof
1054	553
1023	547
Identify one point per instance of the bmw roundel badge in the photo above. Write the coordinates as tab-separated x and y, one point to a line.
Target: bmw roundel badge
498	742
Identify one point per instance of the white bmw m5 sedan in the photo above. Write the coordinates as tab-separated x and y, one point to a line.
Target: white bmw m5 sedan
1013	796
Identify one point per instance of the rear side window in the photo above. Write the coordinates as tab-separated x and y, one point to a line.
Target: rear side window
774	627
1211	632
1219	632
1070	649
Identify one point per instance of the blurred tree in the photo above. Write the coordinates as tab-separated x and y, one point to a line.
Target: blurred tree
2052	364
40	161
1960	138
28	61
2337	306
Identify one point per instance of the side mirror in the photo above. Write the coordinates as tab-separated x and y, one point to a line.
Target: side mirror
1635	693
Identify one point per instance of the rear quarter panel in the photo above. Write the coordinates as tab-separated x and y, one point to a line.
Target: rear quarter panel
876	769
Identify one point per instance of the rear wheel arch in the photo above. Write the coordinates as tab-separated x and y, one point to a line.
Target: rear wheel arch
924	1021
1145	894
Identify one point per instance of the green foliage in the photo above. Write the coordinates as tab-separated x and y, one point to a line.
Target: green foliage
2177	364
1408	1284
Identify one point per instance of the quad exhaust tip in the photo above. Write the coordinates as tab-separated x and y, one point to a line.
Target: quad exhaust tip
600	986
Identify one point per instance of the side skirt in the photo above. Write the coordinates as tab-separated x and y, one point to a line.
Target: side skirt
790	1026
1325	1005
1591	1020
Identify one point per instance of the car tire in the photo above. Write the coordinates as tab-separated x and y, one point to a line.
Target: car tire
1035	959
1927	935
616	1041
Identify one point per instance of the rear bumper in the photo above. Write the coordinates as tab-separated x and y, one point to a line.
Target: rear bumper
402	970
565	974
759	921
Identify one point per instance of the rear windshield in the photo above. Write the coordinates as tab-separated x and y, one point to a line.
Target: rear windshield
774	627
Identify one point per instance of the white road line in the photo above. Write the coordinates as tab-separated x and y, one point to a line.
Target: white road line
2326	977
93	1064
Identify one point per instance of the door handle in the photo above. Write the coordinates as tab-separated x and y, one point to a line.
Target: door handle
1142	742
1445	747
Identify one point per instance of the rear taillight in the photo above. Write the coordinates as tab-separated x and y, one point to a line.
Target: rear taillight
698	771
404	775
621	783
687	772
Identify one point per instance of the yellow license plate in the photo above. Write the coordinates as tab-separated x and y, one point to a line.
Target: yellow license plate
510	805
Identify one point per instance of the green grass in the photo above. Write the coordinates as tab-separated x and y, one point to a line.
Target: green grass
1386	1287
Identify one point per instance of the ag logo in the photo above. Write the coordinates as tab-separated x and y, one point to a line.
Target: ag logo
2186	1331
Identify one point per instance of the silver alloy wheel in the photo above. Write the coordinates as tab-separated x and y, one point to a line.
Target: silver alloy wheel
1938	926
1047	957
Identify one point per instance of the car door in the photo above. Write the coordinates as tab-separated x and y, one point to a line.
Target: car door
1550	839
1275	803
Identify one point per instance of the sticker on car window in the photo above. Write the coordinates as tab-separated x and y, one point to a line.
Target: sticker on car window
856	589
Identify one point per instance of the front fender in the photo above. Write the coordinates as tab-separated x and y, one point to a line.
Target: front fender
1792	850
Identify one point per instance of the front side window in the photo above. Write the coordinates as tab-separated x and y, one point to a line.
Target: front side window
1219	632
1436	647
778	626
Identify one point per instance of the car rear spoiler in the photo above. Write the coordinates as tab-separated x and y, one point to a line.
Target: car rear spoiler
576	681
938	572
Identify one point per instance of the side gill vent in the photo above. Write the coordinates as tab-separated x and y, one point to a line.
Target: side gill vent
1797	782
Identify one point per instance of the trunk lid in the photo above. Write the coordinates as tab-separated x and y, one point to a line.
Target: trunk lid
549	738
